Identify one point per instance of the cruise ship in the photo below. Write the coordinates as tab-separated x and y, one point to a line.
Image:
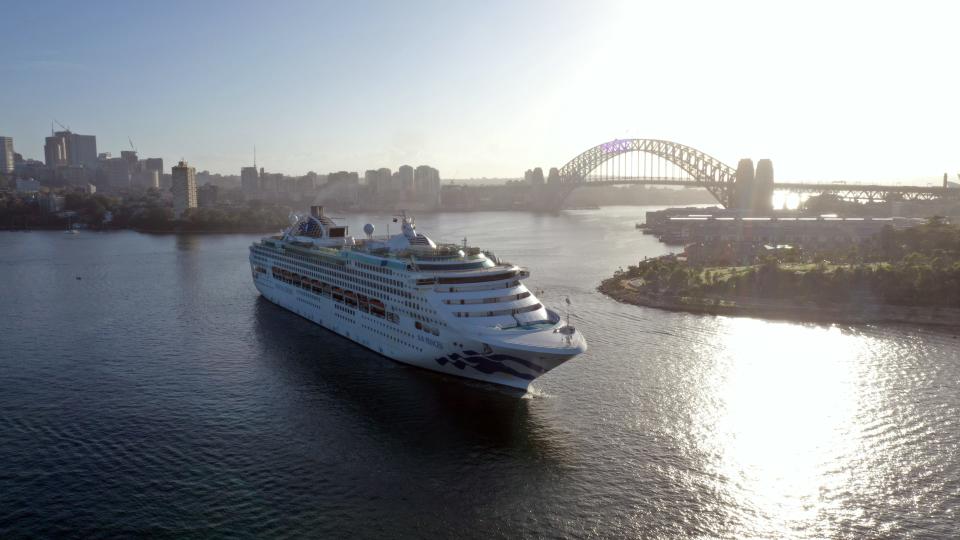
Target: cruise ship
448	308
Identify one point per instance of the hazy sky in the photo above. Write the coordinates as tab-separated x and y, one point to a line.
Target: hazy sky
857	90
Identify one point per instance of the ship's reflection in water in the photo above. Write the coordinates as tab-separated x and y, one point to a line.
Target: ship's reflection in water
424	411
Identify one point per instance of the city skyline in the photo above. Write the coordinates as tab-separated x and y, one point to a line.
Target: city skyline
492	92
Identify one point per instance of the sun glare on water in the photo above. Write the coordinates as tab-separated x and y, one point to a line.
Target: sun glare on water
785	420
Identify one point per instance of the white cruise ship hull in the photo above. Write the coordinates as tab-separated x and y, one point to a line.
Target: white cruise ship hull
489	361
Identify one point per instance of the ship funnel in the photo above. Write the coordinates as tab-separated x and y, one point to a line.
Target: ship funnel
316	211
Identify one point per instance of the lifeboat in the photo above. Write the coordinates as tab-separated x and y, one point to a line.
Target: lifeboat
350	297
315	286
338	294
364	302
376	307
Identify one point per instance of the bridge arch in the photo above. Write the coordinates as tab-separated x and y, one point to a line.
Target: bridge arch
706	171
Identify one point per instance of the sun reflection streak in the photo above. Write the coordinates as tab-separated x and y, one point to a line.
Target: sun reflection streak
785	420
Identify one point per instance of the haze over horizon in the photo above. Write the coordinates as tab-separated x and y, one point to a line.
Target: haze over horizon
858	91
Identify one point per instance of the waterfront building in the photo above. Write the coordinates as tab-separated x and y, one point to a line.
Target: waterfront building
28	185
795	230
184	188
52	203
207	196
7	155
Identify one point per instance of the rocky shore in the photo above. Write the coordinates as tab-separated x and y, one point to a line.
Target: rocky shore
624	290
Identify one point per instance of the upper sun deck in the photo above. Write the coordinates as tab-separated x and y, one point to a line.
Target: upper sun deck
410	250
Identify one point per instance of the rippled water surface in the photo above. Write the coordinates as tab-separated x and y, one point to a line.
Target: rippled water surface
159	394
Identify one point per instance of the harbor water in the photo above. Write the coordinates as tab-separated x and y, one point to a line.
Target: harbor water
147	389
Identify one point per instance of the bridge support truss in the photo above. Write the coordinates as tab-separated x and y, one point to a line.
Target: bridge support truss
704	170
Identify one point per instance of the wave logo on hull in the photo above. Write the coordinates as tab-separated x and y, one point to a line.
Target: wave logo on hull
490	364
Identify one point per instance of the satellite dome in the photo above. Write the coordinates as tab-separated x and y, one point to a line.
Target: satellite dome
368	229
461	254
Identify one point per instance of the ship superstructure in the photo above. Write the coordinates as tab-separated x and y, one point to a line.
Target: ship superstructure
448	308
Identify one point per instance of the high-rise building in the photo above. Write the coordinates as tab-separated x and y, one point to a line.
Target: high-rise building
68	148
271	183
249	181
426	181
117	172
55	151
130	156
153	164
383	181
148	178
405	179
343	187
82	150
307	184
7	160
184	188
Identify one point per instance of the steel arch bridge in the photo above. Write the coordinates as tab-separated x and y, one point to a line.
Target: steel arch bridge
704	170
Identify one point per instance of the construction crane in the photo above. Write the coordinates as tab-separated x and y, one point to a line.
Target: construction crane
57	122
132	147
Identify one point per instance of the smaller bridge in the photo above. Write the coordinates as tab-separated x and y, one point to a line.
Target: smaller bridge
869	192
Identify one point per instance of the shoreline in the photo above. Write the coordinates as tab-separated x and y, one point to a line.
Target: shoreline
785	310
152	231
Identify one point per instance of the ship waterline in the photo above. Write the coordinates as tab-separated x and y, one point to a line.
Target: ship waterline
451	309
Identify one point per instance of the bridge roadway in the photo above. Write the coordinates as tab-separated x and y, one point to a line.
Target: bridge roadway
864	192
